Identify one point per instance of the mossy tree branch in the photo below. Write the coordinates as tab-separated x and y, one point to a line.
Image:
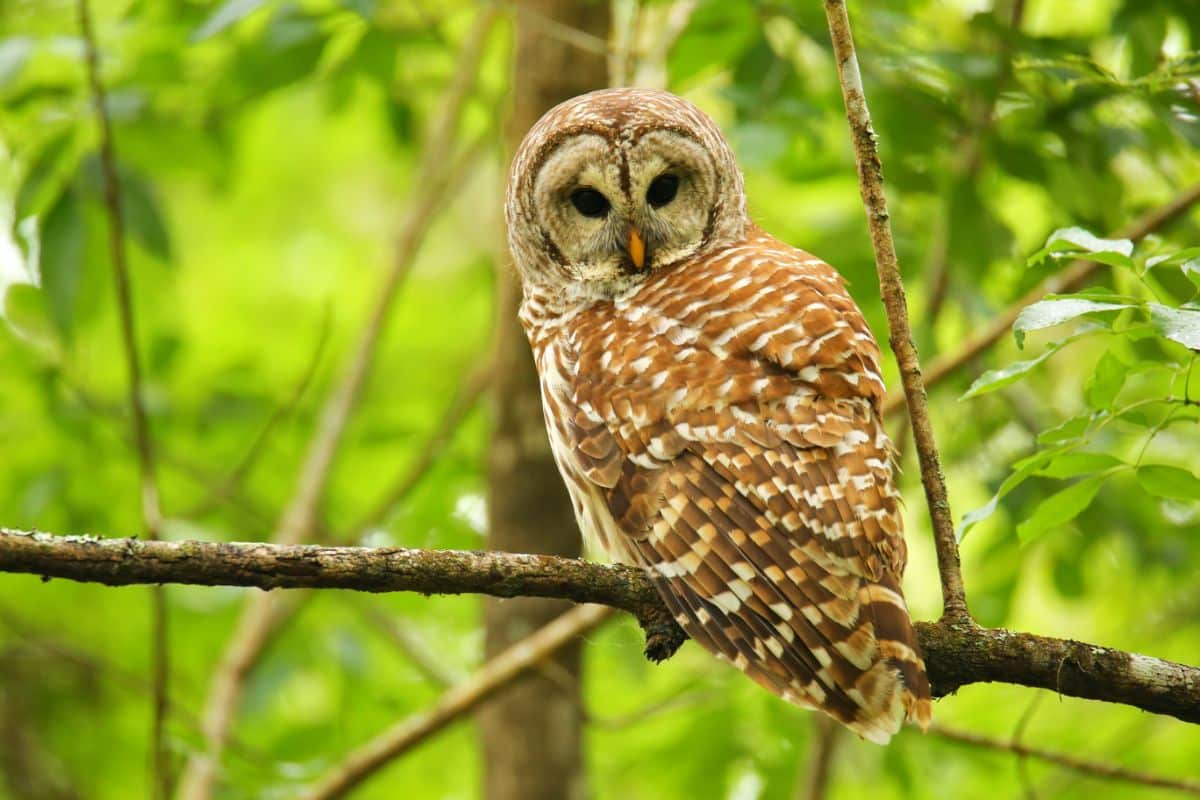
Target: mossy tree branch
956	654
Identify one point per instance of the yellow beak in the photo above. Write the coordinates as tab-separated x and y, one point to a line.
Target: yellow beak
637	248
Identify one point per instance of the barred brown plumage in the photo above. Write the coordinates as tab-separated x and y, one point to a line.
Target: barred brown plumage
712	397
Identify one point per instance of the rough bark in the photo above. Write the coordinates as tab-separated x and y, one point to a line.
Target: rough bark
532	734
956	654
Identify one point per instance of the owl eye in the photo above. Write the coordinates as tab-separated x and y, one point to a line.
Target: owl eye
589	202
662	190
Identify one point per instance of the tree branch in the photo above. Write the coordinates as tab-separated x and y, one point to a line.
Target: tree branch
1096	769
143	441
870	182
956	654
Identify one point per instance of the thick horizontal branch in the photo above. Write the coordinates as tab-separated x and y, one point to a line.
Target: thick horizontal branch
956	655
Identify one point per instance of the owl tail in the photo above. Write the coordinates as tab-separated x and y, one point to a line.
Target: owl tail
889	687
895	689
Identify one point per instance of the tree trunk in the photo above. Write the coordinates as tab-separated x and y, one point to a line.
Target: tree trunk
532	734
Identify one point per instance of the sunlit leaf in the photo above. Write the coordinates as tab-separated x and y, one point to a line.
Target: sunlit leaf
26	311
1048	313
1177	324
1189	255
229	13
995	379
1162	480
14	52
1116	252
1060	508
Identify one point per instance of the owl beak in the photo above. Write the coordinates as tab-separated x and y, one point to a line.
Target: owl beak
637	248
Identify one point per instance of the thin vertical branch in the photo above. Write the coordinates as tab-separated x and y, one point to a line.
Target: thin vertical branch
262	613
826	733
465	399
432	177
143	442
870	180
226	487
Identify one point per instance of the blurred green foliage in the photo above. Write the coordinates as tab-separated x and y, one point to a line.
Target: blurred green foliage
267	151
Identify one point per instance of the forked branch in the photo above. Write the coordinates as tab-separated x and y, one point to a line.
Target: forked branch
870	182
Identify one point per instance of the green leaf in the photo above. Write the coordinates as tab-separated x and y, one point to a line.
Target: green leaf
1072	428
26	312
995	379
1161	480
1116	252
1188	255
230	13
1072	465
43	180
1106	382
1022	471
1060	508
1048	313
60	265
1177	324
144	217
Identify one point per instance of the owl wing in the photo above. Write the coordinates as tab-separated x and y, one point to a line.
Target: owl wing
727	419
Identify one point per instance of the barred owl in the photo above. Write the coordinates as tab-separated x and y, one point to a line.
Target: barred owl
712	398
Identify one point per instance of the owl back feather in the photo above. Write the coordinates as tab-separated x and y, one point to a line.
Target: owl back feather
704	437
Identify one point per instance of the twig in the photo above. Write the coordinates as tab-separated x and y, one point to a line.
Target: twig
197	473
410	644
1018	14
1075	275
662	25
95	664
434	178
464	401
870	180
30	770
824	744
436	174
1096	769
143	442
1017	736
956	655
459	700
568	34
682	697
222	491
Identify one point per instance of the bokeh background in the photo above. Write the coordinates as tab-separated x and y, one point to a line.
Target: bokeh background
280	159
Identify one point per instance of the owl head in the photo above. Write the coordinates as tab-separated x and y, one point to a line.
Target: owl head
611	186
